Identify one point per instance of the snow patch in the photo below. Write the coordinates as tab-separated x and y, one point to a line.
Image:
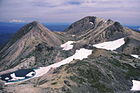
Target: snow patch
7	78
136	56
80	54
30	74
91	22
41	71
68	45
136	85
111	45
15	78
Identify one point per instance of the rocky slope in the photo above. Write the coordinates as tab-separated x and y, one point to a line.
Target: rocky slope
24	43
92	30
103	71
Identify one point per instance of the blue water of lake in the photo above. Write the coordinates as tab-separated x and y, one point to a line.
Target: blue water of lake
18	75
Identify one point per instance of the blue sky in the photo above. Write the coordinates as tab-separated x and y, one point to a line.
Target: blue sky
66	11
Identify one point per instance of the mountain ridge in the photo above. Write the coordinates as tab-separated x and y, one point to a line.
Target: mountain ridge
24	41
82	31
61	65
101	30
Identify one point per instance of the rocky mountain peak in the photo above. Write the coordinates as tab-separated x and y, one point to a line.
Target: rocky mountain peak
99	28
22	32
87	23
95	19
93	30
35	24
25	41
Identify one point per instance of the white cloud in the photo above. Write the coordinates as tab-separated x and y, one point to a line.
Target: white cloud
72	10
16	21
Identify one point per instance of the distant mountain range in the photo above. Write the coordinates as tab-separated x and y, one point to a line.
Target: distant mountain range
137	28
92	55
